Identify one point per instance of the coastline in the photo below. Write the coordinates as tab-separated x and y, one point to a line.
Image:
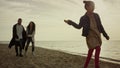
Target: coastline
46	58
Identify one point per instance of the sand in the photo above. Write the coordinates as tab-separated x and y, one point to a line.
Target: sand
45	58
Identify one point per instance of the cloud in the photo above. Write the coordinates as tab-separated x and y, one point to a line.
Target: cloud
38	6
112	2
75	2
28	6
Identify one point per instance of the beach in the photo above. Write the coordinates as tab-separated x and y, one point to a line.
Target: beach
45	58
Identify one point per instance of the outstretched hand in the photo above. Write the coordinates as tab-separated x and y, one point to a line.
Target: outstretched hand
68	21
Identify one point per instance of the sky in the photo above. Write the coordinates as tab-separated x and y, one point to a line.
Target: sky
49	16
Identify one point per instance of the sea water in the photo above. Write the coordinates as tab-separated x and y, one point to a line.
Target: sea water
110	50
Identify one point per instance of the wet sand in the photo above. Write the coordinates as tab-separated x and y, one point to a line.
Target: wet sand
45	58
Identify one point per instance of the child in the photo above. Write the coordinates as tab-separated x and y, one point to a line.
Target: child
92	29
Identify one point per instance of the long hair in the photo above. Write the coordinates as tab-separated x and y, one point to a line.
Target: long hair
33	26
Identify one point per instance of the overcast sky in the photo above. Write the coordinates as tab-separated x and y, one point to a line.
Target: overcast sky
49	17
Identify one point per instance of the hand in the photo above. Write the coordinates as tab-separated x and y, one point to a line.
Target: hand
68	21
107	37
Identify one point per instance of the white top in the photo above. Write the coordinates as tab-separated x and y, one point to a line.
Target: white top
31	35
19	30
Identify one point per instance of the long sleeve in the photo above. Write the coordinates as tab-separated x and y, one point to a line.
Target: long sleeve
75	25
14	32
102	29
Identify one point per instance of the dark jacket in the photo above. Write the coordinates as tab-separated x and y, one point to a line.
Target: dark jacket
14	36
85	23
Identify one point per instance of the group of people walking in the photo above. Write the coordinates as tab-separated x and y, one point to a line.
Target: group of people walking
92	29
21	38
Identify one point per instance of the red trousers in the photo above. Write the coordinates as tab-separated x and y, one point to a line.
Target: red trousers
97	53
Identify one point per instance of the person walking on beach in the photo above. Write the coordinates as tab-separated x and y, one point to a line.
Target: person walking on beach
19	37
30	31
92	29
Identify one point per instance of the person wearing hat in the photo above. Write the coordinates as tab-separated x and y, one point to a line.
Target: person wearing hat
92	29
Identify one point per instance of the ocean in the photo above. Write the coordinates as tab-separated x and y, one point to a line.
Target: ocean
110	50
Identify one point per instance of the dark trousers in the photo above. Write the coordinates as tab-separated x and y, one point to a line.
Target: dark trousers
18	45
29	39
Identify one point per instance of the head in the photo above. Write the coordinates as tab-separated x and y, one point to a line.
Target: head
31	25
89	6
19	21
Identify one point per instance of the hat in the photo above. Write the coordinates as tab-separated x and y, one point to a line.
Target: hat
86	2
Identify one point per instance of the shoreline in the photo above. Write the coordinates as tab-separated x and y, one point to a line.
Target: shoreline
46	58
85	55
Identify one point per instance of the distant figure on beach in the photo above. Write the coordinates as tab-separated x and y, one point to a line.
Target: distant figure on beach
19	37
30	31
92	29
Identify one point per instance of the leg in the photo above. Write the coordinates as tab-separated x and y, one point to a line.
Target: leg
33	46
97	53
88	58
26	47
20	50
20	47
16	49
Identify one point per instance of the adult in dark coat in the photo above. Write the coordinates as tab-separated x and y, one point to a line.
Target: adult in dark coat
18	38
